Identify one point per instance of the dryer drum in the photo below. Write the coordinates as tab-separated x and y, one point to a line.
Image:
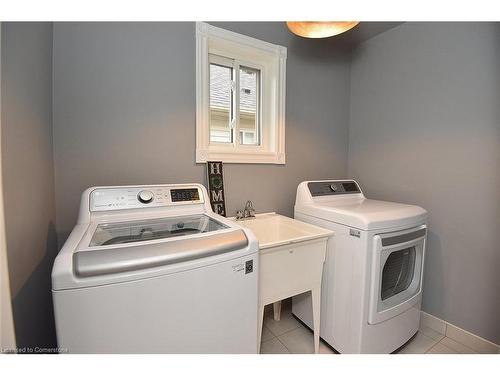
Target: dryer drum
398	271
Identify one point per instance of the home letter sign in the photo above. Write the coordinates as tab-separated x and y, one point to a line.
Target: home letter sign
216	187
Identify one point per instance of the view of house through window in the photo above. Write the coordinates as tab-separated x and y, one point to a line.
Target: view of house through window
248	118
225	116
221	104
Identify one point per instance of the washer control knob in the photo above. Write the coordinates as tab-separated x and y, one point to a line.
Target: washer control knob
333	187
145	196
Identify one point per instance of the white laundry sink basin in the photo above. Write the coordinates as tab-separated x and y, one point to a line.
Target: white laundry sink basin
292	254
274	230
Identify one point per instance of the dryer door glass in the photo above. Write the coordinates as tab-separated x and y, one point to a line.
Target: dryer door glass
398	271
153	229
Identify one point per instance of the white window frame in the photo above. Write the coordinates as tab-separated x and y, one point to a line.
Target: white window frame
270	59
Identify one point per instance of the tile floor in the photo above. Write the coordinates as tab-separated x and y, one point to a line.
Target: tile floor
288	336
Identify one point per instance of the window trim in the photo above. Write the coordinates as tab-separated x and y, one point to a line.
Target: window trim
214	40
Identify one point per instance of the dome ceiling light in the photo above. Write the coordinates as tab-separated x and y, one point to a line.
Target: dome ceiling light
319	29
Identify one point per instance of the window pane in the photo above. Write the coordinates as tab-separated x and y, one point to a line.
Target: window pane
221	104
398	271
247	137
249	106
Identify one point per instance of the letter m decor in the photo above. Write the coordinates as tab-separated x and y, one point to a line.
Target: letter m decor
216	187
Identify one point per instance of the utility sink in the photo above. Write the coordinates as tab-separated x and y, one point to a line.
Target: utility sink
274	230
291	260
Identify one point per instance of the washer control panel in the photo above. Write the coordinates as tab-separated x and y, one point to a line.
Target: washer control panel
322	188
107	199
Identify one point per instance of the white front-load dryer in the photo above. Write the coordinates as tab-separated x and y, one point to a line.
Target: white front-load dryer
372	278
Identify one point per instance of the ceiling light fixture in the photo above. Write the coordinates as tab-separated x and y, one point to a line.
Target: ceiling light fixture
319	29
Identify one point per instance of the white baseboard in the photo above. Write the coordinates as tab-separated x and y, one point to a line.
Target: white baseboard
476	343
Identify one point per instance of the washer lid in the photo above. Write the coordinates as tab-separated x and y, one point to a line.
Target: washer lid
111	260
365	214
124	246
152	229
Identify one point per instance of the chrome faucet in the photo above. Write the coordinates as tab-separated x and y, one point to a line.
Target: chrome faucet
247	213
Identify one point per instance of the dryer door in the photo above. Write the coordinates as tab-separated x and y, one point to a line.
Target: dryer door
397	269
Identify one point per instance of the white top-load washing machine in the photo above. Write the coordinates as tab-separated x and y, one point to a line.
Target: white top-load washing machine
372	279
151	269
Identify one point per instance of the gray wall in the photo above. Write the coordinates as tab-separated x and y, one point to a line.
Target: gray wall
124	113
425	129
28	177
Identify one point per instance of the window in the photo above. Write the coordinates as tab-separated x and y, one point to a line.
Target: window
221	103
240	91
226	89
398	271
249	115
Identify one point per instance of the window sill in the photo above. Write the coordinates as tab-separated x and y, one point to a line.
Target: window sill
202	156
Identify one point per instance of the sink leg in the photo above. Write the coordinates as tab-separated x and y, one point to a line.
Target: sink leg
277	310
316	306
260	323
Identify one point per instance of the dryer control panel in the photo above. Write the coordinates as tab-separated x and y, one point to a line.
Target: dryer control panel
106	199
322	188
